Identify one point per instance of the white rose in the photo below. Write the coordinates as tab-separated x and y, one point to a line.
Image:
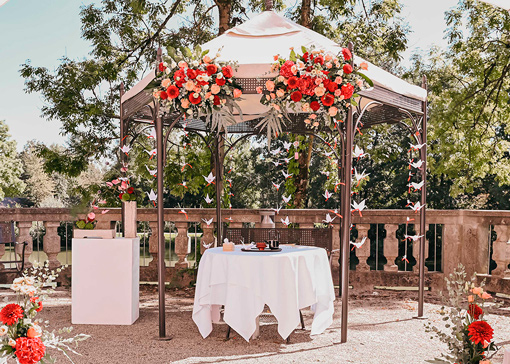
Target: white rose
167	71
12	342
173	65
195	63
3	330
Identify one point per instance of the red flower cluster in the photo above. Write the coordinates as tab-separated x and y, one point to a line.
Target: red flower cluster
29	350
480	332
475	311
11	313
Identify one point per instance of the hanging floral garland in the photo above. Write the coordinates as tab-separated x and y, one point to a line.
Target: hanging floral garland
315	82
191	83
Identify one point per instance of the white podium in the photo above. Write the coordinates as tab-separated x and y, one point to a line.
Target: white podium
105	281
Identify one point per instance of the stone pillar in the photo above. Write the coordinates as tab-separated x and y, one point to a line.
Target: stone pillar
474	245
500	247
390	248
24	236
363	253
51	242
181	244
452	243
207	237
153	244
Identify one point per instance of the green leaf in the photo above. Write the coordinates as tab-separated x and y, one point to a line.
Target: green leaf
303	49
293	56
369	81
171	52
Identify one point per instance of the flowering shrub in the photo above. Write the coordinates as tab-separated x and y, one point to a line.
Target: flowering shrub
22	336
315	82
193	84
470	338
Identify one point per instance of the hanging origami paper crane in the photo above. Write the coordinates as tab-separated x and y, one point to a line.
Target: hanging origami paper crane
277	209
229	182
328	154
183	184
416	186
152	153
286	160
152	172
286	175
327	173
335	211
124	167
405	258
417	146
208	199
286	199
359	153
209	179
104	212
276	163
152	134
329	219
277	186
152	197
408	219
287	145
184	166
208	222
125	149
413	237
184	212
360	176
286	222
339	183
207	246
417	207
409	203
327	195
229	219
276	152
358	207
358	245
416	164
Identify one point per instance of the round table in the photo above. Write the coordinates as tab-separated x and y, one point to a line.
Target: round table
243	282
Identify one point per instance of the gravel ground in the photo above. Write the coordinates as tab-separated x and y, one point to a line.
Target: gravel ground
381	330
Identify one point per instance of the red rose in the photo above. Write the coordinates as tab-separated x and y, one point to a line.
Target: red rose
475	311
172	92
216	100
39	308
29	350
211	69
307	85
227	71
220	81
347	69
305	56
296	96
120	195
11	313
319	59
346	53
192	74
314	105
194	100
480	331
292	82
327	100
162	67
286	69
347	91
163	95
179	77
331	86
130	190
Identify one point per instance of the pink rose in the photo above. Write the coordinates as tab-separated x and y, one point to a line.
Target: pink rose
166	82
270	85
183	64
215	89
338	92
91	216
333	111
237	93
259	89
320	91
477	290
338	80
190	85
206	59
185	103
471	299
363	65
485	296
280	92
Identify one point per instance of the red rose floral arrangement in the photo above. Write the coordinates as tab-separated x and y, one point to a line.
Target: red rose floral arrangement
471	338
191	83
315	82
24	338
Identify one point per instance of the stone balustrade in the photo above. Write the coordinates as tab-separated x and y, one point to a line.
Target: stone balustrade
465	239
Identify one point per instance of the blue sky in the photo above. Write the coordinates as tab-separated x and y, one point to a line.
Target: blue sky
46	30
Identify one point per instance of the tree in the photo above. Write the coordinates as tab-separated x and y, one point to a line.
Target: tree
10	166
40	186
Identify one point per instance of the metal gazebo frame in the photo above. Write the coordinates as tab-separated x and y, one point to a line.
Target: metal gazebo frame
384	107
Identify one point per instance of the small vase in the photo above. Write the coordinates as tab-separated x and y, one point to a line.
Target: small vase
130	222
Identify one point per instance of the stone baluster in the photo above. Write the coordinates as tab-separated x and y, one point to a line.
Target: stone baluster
500	248
207	237
363	253
153	244
181	244
51	242
24	236
391	247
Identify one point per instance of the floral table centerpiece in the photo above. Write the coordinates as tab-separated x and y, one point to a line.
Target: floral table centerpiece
191	83
314	82
23	337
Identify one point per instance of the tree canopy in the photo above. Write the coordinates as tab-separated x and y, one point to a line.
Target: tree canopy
11	167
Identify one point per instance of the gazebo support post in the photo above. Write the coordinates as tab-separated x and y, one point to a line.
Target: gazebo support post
423	157
218	169
346	221
121	144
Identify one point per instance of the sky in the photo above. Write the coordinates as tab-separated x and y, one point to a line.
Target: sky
43	31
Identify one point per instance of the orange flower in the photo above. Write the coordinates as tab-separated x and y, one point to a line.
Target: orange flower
480	331
485	296
237	93
471	299
270	85
477	290
363	65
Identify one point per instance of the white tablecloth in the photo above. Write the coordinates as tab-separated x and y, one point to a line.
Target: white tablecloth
295	278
